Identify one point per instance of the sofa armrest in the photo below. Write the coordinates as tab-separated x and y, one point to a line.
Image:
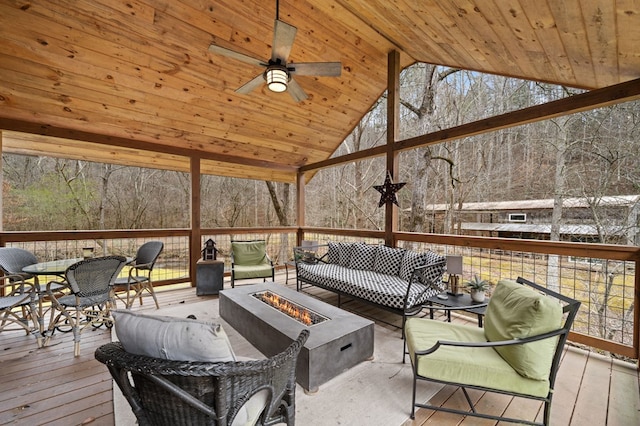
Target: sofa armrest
309	254
429	277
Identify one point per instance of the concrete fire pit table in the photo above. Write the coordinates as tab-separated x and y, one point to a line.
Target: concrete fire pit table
340	342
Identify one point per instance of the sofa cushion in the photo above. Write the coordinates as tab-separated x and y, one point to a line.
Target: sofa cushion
333	253
516	312
345	250
177	339
382	289
410	261
388	260
363	256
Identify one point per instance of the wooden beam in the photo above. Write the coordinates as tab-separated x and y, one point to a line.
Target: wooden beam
300	205
393	124
196	232
598	98
59	132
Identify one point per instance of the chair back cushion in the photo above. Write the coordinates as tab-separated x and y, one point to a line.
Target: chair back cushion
176	339
249	252
516	311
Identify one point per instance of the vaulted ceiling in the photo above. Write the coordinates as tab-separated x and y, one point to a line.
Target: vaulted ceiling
133	82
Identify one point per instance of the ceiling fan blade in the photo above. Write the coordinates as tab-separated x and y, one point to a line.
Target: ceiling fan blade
283	37
235	55
251	85
327	69
297	93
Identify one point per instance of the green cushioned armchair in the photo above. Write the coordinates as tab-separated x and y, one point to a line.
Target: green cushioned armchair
249	259
517	353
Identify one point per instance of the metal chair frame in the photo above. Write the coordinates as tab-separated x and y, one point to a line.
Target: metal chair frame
570	309
233	263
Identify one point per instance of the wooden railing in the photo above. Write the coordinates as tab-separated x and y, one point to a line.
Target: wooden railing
603	277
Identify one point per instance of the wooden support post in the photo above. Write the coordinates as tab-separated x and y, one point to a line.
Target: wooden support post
393	120
300	203
196	233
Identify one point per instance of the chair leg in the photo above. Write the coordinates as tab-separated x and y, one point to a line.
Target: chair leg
149	287
76	334
413	398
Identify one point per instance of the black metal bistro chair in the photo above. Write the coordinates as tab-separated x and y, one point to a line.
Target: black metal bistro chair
138	280
90	299
166	392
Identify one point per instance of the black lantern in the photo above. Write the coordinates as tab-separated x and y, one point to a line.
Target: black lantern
209	252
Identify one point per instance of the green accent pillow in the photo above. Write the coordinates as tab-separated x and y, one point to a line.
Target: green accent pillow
515	312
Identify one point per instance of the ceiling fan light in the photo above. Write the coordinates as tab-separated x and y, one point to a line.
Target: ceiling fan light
277	79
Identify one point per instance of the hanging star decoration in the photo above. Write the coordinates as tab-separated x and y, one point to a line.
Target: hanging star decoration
388	191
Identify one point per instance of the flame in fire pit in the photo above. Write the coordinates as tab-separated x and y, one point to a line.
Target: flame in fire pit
293	310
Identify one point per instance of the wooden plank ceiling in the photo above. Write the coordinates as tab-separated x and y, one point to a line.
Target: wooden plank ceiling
124	76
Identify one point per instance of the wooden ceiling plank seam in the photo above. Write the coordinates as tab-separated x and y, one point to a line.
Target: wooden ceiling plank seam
574	39
545	34
85	151
55	131
491	53
433	29
427	29
514	42
600	20
168	31
100	61
81	153
474	58
155	119
127	102
628	32
196	142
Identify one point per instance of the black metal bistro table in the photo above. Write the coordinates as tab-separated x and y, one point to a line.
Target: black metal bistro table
458	302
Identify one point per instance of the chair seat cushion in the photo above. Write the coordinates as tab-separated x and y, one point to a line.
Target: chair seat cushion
252	271
516	312
467	366
177	339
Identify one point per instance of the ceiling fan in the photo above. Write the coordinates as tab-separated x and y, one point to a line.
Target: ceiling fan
278	74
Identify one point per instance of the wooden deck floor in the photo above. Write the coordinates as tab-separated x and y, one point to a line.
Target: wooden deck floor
49	386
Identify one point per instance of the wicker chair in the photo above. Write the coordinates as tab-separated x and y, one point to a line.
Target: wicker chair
164	392
90	299
139	278
12	260
18	304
